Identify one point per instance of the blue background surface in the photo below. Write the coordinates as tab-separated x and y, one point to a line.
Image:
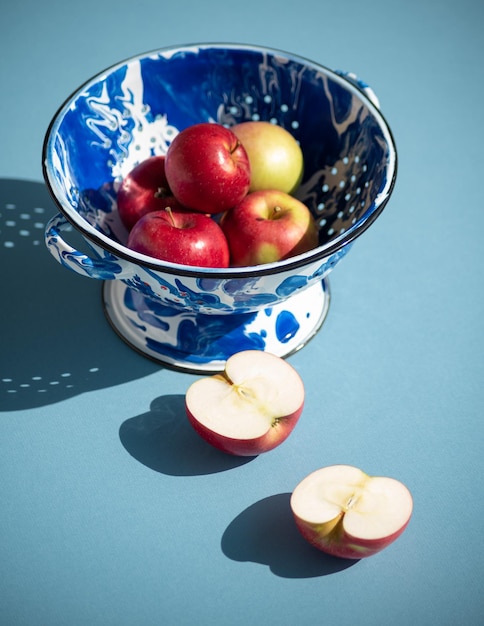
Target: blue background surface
112	511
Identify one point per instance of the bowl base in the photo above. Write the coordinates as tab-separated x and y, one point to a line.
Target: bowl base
201	343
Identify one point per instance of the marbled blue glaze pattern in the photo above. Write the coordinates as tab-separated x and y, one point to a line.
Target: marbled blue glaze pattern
135	109
197	341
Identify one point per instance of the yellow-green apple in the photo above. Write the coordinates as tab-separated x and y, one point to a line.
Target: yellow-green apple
143	190
185	237
267	226
346	513
251	407
275	157
207	168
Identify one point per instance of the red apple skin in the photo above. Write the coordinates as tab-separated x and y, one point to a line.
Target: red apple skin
207	168
248	447
143	190
267	226
340	544
182	237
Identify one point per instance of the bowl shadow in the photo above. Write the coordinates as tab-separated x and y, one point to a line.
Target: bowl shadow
55	340
163	440
266	533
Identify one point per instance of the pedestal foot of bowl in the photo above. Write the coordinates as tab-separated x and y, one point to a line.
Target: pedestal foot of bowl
201	343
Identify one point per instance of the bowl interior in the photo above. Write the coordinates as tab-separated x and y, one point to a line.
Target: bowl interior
134	110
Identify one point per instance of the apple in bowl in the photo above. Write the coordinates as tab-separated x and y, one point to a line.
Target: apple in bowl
207	168
275	157
344	512
251	407
180	236
143	190
267	226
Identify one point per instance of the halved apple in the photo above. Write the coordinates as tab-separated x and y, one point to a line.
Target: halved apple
251	407
346	513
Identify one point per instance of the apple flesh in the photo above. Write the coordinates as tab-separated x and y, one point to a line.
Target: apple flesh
207	168
184	237
268	226
346	513
143	190
251	407
275	157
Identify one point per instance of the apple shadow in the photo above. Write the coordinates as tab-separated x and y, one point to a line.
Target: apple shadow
163	440
55	341
266	533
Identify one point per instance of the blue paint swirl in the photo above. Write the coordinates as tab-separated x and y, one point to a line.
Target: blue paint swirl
286	326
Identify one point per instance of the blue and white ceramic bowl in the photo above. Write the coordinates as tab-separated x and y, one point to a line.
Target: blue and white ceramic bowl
189	317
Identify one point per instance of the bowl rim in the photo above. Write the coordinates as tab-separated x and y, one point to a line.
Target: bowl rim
315	255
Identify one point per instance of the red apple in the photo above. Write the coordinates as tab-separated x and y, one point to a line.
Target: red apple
207	168
251	407
346	513
267	226
185	237
143	190
275	157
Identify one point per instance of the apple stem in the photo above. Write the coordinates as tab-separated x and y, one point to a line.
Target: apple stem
163	192
170	213
275	212
237	144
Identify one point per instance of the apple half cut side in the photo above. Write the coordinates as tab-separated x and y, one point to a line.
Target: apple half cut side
346	513
251	407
